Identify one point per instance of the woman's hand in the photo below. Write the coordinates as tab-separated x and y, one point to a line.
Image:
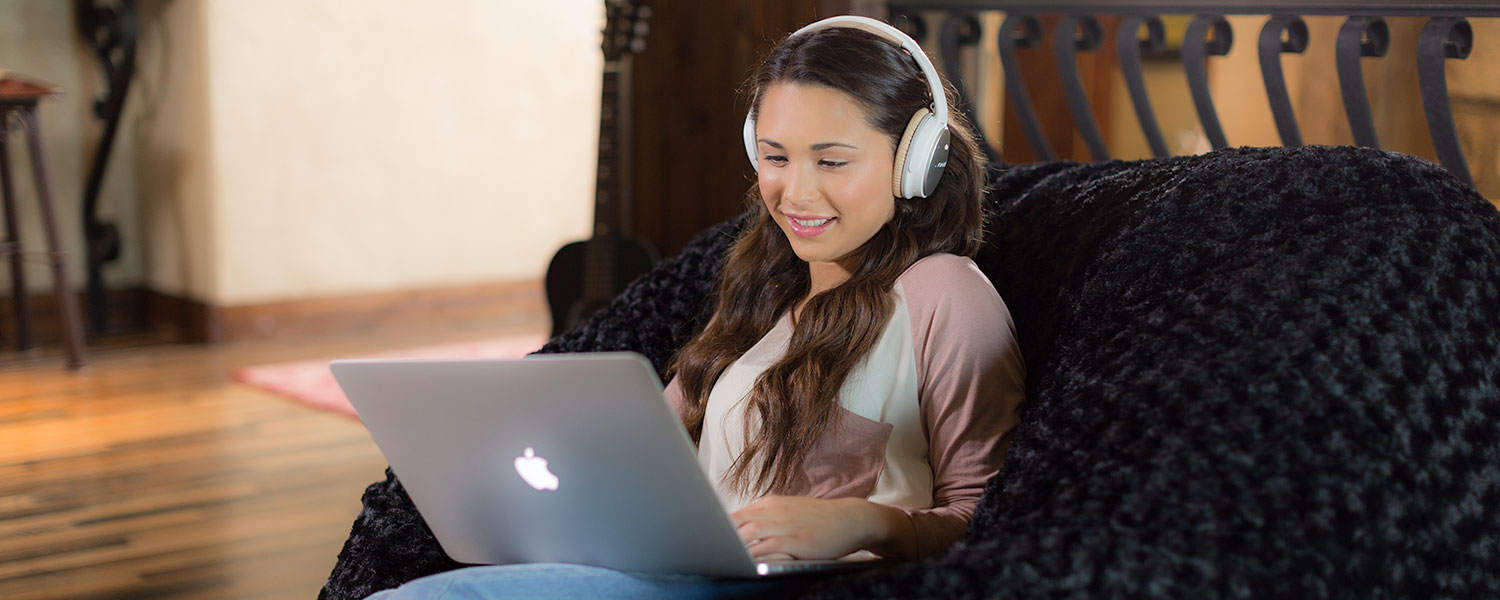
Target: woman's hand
818	528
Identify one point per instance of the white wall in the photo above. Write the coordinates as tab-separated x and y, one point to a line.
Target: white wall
291	149
363	146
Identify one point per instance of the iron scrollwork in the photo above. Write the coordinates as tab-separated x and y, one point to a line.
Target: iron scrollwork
110	29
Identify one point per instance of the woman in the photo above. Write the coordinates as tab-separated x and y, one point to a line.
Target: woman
853	391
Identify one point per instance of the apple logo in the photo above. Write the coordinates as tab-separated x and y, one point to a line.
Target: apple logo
533	470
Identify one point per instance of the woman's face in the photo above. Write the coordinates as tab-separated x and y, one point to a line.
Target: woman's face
824	173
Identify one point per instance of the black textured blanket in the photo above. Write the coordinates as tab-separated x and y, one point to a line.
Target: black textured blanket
1258	372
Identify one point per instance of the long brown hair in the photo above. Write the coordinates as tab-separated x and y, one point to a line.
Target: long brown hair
796	398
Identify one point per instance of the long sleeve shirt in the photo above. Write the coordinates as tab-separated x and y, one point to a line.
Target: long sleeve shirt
922	419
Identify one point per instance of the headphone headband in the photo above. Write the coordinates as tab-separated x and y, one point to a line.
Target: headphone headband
885	30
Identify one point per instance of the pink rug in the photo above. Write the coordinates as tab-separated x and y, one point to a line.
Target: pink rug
310	382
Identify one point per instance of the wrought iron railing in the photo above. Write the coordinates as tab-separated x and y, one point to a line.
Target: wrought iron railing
1446	35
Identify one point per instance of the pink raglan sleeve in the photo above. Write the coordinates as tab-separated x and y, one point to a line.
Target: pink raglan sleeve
971	382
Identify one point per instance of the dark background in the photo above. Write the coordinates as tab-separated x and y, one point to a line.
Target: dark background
690	166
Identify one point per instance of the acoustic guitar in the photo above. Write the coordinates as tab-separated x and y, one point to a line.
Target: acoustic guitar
585	275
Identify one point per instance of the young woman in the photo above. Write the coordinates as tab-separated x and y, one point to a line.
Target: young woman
854	389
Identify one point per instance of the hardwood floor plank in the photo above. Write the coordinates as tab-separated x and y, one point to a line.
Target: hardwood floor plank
154	474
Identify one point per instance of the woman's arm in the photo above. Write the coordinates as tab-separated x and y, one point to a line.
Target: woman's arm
971	382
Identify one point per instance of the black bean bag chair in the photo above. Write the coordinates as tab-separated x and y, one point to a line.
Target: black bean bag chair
1252	373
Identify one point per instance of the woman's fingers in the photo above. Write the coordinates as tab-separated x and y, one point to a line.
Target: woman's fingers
753	521
764	541
800	527
776	556
778	546
764	547
761	530
754	530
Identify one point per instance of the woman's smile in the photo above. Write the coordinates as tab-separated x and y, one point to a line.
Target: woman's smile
809	226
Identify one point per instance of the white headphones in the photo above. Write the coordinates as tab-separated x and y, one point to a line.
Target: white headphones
923	151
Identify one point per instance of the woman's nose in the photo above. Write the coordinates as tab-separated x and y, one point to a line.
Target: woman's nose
801	186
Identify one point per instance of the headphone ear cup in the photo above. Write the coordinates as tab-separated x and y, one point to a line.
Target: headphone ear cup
903	152
750	143
926	159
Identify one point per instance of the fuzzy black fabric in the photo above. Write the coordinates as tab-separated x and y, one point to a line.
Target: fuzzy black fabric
1257	372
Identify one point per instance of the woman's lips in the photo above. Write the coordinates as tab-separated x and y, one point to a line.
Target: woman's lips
809	226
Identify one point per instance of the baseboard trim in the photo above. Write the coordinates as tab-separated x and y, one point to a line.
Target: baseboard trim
168	318
125	314
516	302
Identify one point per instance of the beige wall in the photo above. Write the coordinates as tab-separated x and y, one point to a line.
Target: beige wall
172	149
285	149
361	146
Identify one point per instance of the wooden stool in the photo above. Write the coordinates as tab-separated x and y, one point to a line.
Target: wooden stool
19	96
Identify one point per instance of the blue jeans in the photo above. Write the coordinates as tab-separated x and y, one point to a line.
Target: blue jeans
549	580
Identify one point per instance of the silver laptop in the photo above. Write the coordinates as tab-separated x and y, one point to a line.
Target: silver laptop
572	458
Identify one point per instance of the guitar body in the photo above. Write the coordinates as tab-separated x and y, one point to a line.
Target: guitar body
569	301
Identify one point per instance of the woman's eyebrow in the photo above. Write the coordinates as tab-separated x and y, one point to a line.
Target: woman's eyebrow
814	147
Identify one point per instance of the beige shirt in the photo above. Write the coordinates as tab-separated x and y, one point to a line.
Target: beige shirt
921	418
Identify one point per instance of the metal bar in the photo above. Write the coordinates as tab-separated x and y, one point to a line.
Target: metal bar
1367	8
960	30
21	304
1195	52
1271	47
110	31
1130	47
1441	39
1023	31
1072	35
66	300
1360	37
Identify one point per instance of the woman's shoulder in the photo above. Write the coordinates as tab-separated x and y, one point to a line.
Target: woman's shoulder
956	315
944	283
944	272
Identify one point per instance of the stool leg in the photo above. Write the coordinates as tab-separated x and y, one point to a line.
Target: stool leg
66	300
12	246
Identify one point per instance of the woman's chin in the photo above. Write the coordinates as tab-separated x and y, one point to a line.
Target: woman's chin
812	257
808	255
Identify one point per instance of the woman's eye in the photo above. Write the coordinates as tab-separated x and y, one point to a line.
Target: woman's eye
774	159
833	163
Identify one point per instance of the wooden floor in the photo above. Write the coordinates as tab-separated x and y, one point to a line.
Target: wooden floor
152	474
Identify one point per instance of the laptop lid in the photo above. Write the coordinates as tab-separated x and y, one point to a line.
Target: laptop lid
550	458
